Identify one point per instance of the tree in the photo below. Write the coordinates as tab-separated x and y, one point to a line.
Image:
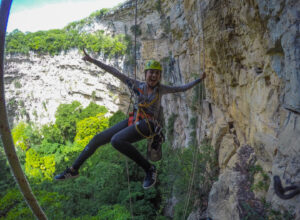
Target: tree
92	110
6	180
116	117
66	117
21	140
89	127
39	167
25	135
117	212
16	42
52	134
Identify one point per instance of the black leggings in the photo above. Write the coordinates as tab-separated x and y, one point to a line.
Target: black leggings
121	136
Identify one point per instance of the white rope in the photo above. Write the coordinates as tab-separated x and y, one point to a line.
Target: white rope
6	136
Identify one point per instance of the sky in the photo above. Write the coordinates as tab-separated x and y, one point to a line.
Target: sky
35	15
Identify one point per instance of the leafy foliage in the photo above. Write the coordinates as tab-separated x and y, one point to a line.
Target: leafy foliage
39	167
117	117
25	135
19	136
6	180
177	168
57	40
264	181
12	206
103	177
101	190
113	212
78	25
89	127
52	134
170	125
67	116
92	110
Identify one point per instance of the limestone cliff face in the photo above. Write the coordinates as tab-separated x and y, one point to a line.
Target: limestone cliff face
37	84
250	51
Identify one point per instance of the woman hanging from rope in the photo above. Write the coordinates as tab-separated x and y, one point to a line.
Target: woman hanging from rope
140	124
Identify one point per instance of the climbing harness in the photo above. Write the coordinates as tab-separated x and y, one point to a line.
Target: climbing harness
156	136
154	151
141	114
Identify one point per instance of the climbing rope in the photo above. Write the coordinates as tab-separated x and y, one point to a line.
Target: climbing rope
4	127
129	191
131	95
191	179
140	110
195	156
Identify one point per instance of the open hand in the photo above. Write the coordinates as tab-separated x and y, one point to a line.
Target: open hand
86	56
203	75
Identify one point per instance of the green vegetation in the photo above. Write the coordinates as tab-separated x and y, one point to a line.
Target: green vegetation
6	180
170	126
67	115
268	213
157	6
178	166
136	30
263	183
265	211
78	25
45	105
93	95
117	117
87	128
57	40
199	93
17	84
176	171
101	191
166	24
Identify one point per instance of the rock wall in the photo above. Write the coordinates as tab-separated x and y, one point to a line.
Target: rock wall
250	51
36	84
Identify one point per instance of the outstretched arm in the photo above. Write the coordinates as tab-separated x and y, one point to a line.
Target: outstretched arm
108	69
173	89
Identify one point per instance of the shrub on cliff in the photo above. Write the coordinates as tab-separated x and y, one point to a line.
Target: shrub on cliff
57	40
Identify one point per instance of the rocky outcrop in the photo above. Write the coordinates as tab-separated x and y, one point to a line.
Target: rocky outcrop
37	84
250	51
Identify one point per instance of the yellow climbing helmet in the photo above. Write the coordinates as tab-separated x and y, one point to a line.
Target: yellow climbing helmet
153	65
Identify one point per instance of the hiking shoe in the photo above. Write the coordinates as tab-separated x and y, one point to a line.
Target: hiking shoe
150	178
67	174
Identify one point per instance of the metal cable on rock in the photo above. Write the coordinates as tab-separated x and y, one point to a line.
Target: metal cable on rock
131	95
